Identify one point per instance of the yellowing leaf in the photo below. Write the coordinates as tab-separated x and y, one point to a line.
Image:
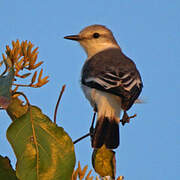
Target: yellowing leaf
34	77
37	65
43	150
40	75
16	108
103	161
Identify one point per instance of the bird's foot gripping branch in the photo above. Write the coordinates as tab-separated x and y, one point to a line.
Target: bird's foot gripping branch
126	118
43	150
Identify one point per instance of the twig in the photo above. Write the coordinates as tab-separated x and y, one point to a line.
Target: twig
57	104
79	139
91	130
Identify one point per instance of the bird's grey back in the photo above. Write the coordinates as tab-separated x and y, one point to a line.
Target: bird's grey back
108	61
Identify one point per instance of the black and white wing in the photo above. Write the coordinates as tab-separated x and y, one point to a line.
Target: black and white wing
120	78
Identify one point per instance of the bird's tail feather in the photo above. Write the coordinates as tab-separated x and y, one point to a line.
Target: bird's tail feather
106	132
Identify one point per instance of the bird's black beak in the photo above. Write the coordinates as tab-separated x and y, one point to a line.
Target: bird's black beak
73	37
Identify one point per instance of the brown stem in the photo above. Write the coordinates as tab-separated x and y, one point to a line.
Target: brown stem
22	94
22	85
57	104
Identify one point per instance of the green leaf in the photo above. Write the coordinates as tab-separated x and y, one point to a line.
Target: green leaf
103	161
43	150
5	89
6	170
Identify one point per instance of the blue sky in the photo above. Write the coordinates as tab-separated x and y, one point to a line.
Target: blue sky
148	32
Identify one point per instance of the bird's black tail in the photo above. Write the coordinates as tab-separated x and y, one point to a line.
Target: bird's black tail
106	132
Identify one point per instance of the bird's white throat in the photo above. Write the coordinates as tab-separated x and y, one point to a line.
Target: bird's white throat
91	48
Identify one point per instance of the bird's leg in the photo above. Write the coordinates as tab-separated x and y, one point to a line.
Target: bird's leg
91	130
126	119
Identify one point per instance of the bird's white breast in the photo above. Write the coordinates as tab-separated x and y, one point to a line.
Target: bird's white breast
107	104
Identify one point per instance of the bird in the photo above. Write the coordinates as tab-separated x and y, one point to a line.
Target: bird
110	81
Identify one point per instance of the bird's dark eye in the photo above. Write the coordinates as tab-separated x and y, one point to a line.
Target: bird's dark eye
96	35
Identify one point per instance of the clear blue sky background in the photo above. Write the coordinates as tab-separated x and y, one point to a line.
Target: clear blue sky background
148	32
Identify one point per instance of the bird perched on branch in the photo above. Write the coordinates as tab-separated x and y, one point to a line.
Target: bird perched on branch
110	81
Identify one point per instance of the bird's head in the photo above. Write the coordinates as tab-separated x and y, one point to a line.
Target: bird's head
95	38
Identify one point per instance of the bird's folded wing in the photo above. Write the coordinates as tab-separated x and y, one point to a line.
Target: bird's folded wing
126	85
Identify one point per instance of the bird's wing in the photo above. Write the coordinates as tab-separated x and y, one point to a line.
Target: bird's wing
127	85
109	80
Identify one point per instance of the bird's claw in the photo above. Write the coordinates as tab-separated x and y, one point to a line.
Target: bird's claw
126	119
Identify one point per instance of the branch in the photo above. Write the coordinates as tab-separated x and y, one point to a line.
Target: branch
79	139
